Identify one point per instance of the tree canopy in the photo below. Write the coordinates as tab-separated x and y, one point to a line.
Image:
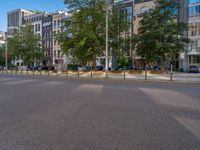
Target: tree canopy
25	45
161	36
84	33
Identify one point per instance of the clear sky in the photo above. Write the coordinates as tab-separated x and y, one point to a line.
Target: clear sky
43	5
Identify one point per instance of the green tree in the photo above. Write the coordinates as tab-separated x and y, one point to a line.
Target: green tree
161	36
2	59
84	33
26	45
119	24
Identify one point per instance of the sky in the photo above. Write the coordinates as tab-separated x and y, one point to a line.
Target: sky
43	5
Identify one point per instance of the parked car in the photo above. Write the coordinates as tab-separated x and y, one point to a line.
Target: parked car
84	68
98	68
156	68
193	69
45	68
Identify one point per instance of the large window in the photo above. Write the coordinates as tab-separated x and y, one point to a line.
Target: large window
194	1
54	24
194	11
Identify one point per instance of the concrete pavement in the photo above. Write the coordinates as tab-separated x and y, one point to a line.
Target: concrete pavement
40	113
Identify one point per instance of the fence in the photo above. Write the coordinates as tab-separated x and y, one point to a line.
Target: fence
121	74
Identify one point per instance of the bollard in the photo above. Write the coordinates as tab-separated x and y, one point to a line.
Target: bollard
91	74
145	74
11	71
124	73
57	73
40	72
48	71
78	74
67	72
171	72
21	71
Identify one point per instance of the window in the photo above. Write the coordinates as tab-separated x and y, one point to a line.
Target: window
38	27
194	1
54	54
58	53
54	24
59	23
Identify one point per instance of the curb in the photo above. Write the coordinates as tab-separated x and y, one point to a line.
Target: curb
112	79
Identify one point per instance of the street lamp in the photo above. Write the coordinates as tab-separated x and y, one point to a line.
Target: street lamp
6	54
107	61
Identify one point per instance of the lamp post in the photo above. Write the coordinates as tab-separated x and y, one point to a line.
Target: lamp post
107	58
6	55
106	67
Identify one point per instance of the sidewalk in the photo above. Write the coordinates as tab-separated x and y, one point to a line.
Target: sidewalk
115	76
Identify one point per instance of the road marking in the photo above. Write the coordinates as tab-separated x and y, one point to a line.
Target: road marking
192	125
92	88
172	98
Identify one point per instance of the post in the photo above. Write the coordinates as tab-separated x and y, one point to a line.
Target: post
124	73
67	72
106	67
78	74
40	72
21	71
48	70
26	71
145	72
57	73
171	71
6	56
91	75
11	70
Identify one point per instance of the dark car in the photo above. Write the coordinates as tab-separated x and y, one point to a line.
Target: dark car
156	68
98	68
46	68
193	69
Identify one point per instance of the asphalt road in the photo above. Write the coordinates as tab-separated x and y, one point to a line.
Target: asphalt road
40	113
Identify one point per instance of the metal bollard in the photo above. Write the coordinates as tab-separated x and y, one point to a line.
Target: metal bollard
67	73
91	73
145	74
171	72
124	73
78	74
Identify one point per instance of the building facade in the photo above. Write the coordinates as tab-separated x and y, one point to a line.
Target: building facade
2	38
15	19
59	58
193	49
36	21
47	39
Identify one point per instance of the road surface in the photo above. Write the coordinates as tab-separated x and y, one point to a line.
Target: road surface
41	113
